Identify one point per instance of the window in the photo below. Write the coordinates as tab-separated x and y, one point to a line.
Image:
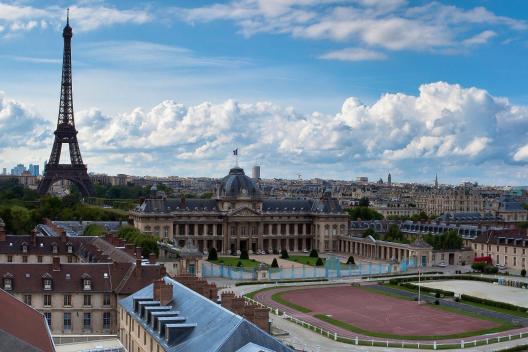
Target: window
67	300
47	300
39	259
67	321
70	249
47	284
9	258
24	249
54	249
106	320
87	300
24	259
8	284
106	299
27	299
47	315
87	284
87	321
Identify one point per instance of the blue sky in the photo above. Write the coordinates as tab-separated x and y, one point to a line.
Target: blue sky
333	89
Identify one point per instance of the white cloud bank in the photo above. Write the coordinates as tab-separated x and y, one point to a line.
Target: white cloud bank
446	128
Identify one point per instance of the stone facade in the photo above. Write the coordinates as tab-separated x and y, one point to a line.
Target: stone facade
238	218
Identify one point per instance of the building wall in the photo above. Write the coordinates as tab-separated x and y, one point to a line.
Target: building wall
76	309
133	336
34	258
512	257
252	232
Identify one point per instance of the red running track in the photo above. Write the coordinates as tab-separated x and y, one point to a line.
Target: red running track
374	312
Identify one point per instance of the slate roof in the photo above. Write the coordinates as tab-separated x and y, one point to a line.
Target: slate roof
43	245
237	184
508	203
216	328
510	237
22	328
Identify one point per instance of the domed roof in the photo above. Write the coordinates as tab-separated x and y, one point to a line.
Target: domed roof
237	184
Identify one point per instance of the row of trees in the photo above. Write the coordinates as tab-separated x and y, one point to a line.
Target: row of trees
447	241
392	235
148	243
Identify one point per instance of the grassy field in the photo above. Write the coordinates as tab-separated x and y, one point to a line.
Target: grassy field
277	297
233	261
304	259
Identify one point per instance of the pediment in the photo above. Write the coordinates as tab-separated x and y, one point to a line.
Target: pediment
244	211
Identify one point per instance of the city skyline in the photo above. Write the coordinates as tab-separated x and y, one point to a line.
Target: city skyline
165	90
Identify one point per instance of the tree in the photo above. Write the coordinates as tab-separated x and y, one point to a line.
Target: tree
363	213
314	254
274	263
239	264
370	232
364	202
284	254
447	241
244	254
21	221
213	255
422	216
395	235
351	260
319	262
523	272
94	230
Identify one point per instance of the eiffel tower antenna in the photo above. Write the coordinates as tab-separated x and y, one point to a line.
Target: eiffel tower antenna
65	132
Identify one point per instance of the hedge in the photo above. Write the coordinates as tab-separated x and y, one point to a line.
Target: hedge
446	277
493	303
244	283
428	289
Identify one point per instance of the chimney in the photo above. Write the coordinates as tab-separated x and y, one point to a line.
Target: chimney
34	237
162	292
62	234
2	231
56	264
227	299
163	270
261	318
138	267
152	258
130	248
138	253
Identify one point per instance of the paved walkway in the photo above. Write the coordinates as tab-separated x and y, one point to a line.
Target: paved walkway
306	340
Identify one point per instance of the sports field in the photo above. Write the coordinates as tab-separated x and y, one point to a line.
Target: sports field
512	295
350	311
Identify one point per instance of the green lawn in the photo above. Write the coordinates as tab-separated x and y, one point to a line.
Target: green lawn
515	313
233	261
277	297
304	259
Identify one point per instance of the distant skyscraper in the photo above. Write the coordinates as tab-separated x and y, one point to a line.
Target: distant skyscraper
4	171
33	169
436	180
389	179
256	172
18	170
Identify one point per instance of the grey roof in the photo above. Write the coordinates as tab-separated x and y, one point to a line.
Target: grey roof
237	184
212	327
168	205
10	342
508	203
290	205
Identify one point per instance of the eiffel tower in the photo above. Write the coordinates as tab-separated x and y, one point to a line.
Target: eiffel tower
76	172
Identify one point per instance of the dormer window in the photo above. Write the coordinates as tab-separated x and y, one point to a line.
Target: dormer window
24	248
70	248
8	282
54	248
87	284
48	284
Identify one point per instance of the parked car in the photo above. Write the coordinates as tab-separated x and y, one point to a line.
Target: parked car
441	265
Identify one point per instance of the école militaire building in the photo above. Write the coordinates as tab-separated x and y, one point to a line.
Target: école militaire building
239	218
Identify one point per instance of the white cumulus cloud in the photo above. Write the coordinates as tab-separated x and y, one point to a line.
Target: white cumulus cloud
445	128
